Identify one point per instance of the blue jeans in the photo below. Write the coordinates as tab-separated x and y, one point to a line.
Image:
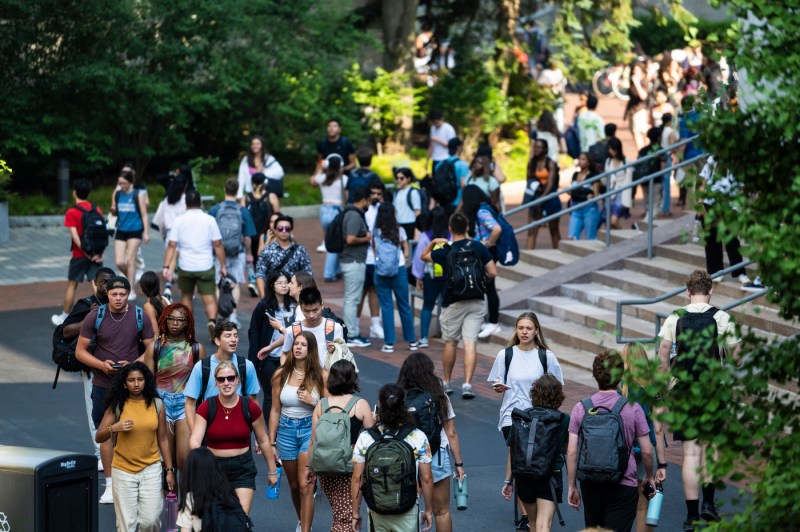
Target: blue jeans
326	215
665	187
399	285
584	219
432	289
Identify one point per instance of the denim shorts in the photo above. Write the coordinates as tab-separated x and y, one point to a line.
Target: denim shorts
440	465
293	437
174	405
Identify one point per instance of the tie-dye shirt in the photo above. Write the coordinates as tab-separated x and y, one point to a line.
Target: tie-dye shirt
174	366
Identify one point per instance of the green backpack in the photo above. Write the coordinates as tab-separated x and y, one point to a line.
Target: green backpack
390	486
331	453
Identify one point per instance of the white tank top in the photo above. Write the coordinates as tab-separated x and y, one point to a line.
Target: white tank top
292	406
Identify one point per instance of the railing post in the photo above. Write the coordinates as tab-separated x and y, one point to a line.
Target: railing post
650	218
608	211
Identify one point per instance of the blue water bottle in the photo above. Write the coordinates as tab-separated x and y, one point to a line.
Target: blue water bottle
654	507
274	491
460	492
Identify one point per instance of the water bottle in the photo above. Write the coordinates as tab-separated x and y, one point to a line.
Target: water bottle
171	512
274	491
674	351
654	507
460	493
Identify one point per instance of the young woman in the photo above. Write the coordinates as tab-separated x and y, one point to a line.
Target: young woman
483	227
634	356
171	357
228	434
299	281
481	176
430	276
669	136
394	417
130	206
170	208
542	180
258	160
389	243
407	200
621	202
268	236
636	112
546	129
202	484
537	495
136	415
586	218
332	183
297	386
417	372
257	203
154	302
342	386
528	348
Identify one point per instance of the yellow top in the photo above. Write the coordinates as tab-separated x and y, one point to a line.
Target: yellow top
137	448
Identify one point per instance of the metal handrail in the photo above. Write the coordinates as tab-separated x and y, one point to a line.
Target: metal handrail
660	315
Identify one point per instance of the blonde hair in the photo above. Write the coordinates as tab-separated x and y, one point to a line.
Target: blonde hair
226	364
538	339
630	353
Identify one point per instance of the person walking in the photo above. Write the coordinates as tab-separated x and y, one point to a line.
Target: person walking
335	142
586	219
441	133
429	276
256	161
357	238
332	184
133	227
281	255
407	200
542	180
170	208
622	201
154	302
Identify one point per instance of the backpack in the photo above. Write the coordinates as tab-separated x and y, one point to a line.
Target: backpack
598	153
331	453
426	416
424	200
444	186
602	451
464	270
64	351
205	375
229	220
390	473
509	354
386	256
225	302
535	441
506	248
157	345
692	331
94	238
359	178
328	313
260	210
219	518
334	234
573	141
245	404
648	167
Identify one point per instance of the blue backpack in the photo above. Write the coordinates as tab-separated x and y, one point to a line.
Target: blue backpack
506	249
386	257
573	141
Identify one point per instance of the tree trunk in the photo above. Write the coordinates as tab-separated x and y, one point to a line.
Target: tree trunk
399	17
506	34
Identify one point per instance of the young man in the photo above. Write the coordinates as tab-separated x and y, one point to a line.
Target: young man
81	265
606	504
197	239
283	254
225	213
325	330
454	147
376	192
362	176
651	165
334	142
460	318
440	135
357	238
226	338
699	290
116	344
598	152
590	124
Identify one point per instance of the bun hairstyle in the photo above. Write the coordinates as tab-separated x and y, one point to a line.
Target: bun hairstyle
392	405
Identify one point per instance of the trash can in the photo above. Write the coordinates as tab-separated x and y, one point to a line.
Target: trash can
43	490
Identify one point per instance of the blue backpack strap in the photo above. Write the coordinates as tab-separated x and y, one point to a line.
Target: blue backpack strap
543	359
587	404
509	355
139	319
619	405
101	313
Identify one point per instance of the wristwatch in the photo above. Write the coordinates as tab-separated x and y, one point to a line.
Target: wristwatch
662	466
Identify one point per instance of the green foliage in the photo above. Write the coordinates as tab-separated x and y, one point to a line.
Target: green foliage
656	34
5	179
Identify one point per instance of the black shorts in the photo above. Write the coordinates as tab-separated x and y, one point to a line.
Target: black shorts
81	267
530	490
240	470
128	235
369	277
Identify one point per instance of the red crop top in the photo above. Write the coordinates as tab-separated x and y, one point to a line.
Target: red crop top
231	433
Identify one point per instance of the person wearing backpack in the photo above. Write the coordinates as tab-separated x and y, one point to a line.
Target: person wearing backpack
447	177
429	277
257	203
407	200
433	414
357	238
481	177
84	263
362	176
586	219
650	166
208	501
133	227
440	135
536	472
325	330
332	183
338	420
678	329
467	265
171	207
388	460
389	243
237	230
602	431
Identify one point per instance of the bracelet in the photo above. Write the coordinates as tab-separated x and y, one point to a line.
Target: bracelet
459	465
166	266
662	466
275	474
169	469
508	482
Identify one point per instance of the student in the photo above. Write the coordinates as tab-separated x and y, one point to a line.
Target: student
407	200
357	238
133	227
257	160
542	180
332	183
325	330
429	277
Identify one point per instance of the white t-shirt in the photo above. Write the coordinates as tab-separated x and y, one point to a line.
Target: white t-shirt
319	334
524	371
331	194
590	129
444	133
406	215
194	233
451	414
185	517
370	216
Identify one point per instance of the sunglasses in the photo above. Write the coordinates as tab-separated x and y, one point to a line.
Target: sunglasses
283	229
177	319
229	378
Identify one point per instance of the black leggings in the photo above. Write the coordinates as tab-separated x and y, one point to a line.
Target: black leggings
265	372
493	301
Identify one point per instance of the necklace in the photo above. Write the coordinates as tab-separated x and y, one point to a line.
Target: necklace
300	374
227	411
111	314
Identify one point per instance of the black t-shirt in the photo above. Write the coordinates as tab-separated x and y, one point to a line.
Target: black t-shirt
439	256
342	146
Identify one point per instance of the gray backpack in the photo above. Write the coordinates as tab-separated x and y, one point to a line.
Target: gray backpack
602	452
331	453
229	220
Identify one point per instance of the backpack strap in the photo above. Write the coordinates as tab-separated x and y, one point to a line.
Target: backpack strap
555	501
543	359
353	400
139	319
587	404
509	355
101	313
156	351
205	374
531	443
619	405
330	327
241	365
403	433
195	352
212	412
375	433
325	406
297	328
245	402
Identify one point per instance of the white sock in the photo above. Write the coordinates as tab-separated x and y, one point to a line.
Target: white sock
64	315
108	483
376	322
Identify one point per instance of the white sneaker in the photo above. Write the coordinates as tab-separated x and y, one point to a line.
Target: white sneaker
107	497
489	329
299	528
138	276
743	279
57	319
321	248
376	332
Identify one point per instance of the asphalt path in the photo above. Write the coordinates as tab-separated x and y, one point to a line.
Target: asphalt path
35	415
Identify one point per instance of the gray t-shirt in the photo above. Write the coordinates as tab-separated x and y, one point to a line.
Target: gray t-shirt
353	224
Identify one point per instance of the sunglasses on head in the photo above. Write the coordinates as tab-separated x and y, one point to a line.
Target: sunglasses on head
283	229
229	378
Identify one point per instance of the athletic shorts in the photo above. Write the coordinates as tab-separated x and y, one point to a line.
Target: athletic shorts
530	490
239	470
369	280
204	281
462	319
128	235
81	267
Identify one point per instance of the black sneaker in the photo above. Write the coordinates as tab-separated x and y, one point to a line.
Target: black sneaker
523	524
710	512
688	525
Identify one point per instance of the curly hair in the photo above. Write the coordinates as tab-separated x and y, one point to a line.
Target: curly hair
386	223
538	339
187	312
393	413
202	477
118	393
607	369
417	372
314	378
547	392
699	283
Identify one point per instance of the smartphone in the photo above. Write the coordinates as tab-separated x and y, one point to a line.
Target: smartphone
649	490
117	365
500	386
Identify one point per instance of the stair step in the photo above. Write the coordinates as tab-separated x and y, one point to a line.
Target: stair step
693	255
619	235
581	248
546	258
521	271
588	315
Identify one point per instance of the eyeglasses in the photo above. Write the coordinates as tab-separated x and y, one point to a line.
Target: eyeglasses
177	319
283	229
229	378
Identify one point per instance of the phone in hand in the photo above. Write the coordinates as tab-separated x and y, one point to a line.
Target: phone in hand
117	365
500	386
649	490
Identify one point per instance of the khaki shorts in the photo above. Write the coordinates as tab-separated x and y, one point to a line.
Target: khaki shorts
204	281
462	319
405	522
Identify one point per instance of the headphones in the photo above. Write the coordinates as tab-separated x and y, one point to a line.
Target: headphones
332	156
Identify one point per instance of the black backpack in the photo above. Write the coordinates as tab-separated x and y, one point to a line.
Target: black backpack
648	167
219	518
260	210
444	187
244	403
205	375
509	354
390	473
535	441
602	452
465	276
426	416
334	234
424	201
696	330
94	239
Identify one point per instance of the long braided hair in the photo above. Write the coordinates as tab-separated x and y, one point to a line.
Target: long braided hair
187	313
